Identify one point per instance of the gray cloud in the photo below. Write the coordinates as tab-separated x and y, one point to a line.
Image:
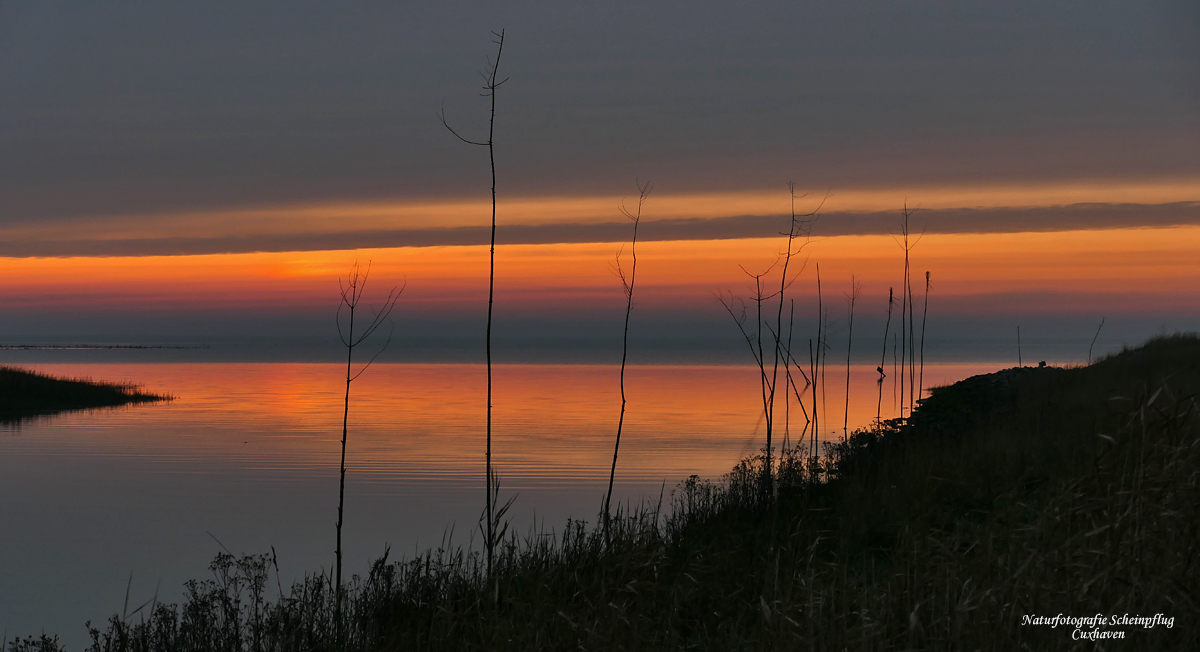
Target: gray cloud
138	108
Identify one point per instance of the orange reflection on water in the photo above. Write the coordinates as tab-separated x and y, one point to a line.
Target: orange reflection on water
423	425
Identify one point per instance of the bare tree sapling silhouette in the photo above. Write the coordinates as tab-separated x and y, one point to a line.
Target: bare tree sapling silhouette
924	317
816	369
907	332
491	82
799	227
352	294
851	299
627	283
1094	338
883	358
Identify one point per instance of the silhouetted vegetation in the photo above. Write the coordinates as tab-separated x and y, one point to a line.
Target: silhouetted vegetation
627	284
1030	491
352	294
491	82
851	299
25	394
883	356
924	319
799	228
908	351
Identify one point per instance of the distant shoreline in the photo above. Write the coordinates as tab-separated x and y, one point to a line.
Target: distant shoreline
72	347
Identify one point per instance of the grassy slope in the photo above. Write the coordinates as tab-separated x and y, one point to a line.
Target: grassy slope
26	393
1030	491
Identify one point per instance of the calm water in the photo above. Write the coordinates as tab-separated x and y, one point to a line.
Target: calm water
247	456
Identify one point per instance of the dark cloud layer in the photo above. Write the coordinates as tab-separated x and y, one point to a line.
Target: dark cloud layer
137	108
1001	220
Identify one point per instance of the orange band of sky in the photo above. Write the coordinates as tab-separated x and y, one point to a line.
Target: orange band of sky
1158	264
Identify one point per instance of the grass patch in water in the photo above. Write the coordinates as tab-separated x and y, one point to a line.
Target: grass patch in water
25	394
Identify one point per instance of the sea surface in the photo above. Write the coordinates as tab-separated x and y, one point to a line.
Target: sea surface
104	510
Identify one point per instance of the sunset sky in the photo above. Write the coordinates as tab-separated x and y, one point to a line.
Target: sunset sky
203	174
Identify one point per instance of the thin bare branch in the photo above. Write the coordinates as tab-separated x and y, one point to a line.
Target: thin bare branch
441	114
740	320
377	354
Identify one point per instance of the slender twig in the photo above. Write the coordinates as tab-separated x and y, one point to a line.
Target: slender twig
491	83
800	400
907	342
767	391
823	361
787	379
739	318
754	338
924	316
912	344
1096	337
812	369
627	284
883	358
912	331
855	290
817	367
895	370
796	228
903	306
352	294
795	365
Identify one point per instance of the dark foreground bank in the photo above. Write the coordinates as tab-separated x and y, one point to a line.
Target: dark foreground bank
1010	506
25	394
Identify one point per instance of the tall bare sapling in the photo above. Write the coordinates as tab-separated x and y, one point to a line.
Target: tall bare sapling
627	283
851	299
924	317
491	82
799	227
1094	338
352	294
883	357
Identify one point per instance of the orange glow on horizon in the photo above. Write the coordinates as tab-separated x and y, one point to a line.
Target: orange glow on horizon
1158	262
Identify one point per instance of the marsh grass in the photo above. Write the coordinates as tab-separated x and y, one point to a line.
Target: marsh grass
1024	492
25	393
